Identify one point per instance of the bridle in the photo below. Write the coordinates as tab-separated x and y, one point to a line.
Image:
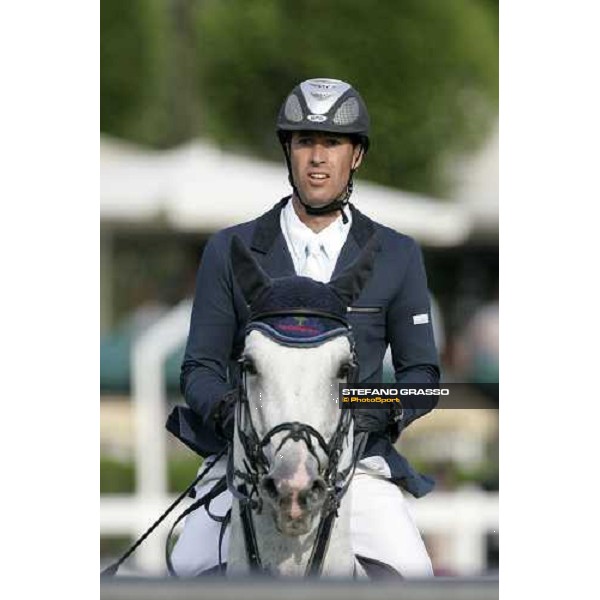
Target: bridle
244	483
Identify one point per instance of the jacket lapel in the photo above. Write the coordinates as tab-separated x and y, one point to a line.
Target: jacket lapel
268	243
277	262
360	232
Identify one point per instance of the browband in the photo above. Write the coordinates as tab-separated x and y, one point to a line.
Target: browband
299	311
299	327
290	340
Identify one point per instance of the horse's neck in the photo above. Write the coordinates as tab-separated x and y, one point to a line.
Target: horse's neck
285	555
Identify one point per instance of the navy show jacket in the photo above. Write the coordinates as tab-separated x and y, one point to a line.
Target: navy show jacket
395	293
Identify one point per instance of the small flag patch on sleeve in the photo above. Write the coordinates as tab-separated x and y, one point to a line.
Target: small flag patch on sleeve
420	319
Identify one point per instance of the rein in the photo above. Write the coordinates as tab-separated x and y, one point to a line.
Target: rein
112	569
256	464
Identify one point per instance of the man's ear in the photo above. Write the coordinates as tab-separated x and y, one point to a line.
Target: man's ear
357	156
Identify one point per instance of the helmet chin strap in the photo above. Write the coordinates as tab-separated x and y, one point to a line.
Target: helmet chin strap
334	205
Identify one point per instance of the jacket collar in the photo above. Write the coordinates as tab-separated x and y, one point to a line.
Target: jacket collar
267	229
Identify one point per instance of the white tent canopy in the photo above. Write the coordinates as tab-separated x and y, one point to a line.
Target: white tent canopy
197	187
476	180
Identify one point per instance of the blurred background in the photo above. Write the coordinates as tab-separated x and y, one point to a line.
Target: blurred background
189	94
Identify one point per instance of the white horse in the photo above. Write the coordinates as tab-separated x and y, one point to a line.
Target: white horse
294	452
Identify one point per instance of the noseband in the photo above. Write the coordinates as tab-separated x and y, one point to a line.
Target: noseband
256	464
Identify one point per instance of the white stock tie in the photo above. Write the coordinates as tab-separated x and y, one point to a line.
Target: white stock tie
313	266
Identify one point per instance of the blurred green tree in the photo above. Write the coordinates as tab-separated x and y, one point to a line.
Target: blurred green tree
132	66
428	70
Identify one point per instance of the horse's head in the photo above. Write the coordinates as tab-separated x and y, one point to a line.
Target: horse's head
298	348
293	385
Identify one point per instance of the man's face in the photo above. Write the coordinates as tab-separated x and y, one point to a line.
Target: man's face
321	164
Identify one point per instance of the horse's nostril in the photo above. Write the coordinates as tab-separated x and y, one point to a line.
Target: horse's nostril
316	492
269	487
318	486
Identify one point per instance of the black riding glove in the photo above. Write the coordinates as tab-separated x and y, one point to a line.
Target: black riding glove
223	414
376	420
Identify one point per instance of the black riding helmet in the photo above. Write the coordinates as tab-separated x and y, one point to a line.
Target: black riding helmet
326	105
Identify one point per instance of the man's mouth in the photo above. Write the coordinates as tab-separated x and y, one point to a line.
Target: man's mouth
318	176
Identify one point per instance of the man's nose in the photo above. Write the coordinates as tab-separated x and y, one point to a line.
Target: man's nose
318	155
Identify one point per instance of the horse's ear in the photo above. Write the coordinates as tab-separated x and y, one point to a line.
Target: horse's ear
349	284
247	272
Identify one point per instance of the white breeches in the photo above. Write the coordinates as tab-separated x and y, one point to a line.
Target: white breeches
382	527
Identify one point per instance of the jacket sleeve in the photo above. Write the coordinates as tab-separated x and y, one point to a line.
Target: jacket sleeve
212	330
410	333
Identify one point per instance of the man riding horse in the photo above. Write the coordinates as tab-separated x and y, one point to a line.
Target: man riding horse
323	127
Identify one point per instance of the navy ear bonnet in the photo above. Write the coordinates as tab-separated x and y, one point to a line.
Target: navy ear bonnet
299	292
299	310
295	310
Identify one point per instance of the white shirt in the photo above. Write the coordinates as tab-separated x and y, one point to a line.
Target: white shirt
314	254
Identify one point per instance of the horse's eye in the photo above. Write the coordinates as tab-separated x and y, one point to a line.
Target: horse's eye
344	371
249	366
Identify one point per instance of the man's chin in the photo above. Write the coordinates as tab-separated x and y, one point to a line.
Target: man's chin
317	202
